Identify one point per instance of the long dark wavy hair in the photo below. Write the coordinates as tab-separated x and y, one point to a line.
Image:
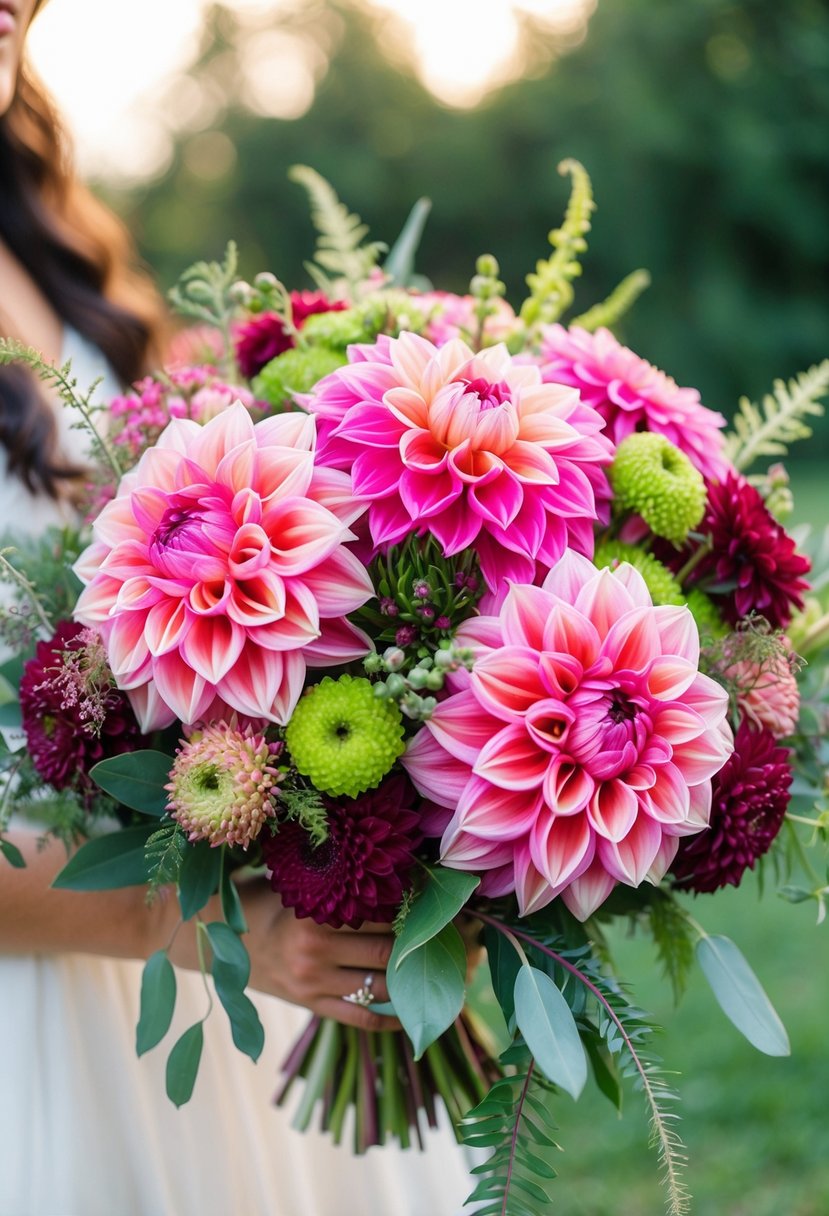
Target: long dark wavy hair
81	258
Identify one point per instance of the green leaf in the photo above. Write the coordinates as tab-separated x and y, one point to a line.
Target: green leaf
183	1065
445	893
136	780
198	877
245	1027
427	988
741	996
547	1023
12	855
399	265
107	862
504	965
229	949
158	1000
10	715
604	1071
232	909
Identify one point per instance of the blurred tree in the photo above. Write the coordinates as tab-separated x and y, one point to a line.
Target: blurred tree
703	126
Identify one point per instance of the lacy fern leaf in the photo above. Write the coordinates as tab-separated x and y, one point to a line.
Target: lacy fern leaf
341	253
620	300
674	939
770	429
551	291
164	850
515	1121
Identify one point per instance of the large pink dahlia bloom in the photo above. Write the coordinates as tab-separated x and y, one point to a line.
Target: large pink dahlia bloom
633	395
582	745
219	571
471	447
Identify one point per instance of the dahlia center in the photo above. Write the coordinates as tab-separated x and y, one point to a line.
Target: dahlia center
490	396
178	528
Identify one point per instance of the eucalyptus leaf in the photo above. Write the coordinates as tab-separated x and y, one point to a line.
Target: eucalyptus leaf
399	265
427	989
549	1028
158	1000
136	779
12	855
604	1071
741	995
183	1065
245	1027
198	877
441	899
10	715
504	965
229	949
107	862
232	909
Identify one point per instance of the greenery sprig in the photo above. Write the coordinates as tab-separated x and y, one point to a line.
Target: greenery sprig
341	258
770	429
621	299
551	291
208	292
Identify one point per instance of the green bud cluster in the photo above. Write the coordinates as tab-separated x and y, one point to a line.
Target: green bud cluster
411	689
487	289
295	371
653	478
386	312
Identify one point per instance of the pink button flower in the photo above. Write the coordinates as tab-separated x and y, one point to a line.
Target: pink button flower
220	571
582	745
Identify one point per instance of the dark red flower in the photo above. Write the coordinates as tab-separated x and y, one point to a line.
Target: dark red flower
73	715
753	560
263	337
750	797
361	871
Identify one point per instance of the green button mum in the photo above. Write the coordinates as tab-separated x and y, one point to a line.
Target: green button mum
343	738
652	478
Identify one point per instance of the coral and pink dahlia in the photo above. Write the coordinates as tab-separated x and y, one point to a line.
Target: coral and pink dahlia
750	798
361	870
470	447
223	784
633	395
582	745
220	571
73	715
767	691
264	336
753	565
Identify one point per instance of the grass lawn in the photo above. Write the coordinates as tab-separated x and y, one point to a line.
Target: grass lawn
755	1128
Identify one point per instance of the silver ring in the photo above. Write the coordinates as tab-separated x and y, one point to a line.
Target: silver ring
363	996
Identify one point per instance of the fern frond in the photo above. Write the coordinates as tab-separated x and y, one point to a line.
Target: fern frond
164	851
305	806
770	429
340	253
515	1121
550	287
673	937
203	291
622	298
66	386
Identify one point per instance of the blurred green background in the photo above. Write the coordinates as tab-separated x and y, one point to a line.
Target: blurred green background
705	128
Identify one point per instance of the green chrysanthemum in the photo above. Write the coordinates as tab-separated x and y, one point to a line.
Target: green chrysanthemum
295	371
223	785
704	611
663	587
386	312
343	738
652	478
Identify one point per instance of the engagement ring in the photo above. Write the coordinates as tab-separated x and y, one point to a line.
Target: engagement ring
363	996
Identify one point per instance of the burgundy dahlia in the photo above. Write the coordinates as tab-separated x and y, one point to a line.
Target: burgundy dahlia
361	870
73	715
750	796
263	337
752	556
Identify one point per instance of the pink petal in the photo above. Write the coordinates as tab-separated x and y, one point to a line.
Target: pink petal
569	575
376	474
589	891
282	473
236	469
532	889
339	642
562	848
669	678
219	436
667	852
181	688
613	809
339	584
633	641
427	494
211	646
512	760
389	521
152	713
254	682
497	501
567	787
165	626
668	800
524	616
507	681
604	599
127	649
678	631
302	534
569	633
461	726
702	758
630	859
435	774
496	814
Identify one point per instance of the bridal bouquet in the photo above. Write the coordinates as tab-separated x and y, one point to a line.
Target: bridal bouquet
446	615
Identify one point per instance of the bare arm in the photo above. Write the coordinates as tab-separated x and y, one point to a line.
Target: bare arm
297	960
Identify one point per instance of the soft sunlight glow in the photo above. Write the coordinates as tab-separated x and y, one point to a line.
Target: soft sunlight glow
117	70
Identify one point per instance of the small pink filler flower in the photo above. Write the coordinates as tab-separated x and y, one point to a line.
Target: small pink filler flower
220	571
582	745
473	448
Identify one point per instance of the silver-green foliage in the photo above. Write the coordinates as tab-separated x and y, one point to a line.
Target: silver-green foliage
341	255
769	429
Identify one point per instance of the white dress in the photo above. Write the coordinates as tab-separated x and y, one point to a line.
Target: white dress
86	1128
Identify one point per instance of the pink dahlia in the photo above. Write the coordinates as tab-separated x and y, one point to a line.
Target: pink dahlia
263	336
632	395
750	798
753	564
582	745
361	870
472	448
449	316
767	691
220	571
